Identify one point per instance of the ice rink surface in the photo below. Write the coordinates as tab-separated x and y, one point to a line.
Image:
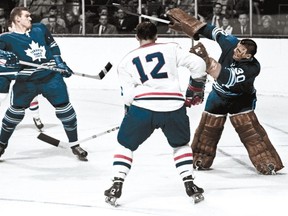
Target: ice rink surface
39	179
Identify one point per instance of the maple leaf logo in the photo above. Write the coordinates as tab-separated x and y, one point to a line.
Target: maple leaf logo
36	52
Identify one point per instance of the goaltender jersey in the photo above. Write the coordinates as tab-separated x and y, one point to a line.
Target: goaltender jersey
149	76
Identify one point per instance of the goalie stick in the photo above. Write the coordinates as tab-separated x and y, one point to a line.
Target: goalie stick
140	15
58	143
99	76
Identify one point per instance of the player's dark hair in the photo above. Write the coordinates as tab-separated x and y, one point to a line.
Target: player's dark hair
17	11
146	30
250	45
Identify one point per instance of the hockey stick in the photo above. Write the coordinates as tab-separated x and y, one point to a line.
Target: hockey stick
99	76
140	15
58	143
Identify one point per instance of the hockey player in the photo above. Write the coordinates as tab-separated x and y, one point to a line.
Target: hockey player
6	77
35	43
233	93
150	88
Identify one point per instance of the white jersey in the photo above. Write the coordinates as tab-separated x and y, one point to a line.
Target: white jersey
149	76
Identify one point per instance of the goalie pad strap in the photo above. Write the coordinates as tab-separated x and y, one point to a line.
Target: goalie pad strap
255	139
206	138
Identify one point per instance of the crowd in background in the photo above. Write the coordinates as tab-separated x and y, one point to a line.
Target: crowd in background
267	18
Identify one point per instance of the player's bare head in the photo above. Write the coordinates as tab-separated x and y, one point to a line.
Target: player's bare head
250	45
17	11
146	31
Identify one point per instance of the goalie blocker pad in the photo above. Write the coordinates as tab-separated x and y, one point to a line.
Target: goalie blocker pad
261	152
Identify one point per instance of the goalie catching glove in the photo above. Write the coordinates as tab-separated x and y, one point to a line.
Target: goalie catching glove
8	60
195	92
213	68
183	22
62	65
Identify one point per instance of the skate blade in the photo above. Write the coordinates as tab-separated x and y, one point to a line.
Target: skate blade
82	158
271	168
111	201
198	197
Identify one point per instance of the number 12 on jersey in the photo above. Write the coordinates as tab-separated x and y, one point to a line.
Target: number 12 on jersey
155	72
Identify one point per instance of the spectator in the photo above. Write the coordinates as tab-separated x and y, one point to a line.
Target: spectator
53	11
54	27
78	27
236	7
2	12
70	21
226	25
216	17
104	27
7	6
91	11
125	24
3	24
285	28
242	28
161	28
267	26
37	8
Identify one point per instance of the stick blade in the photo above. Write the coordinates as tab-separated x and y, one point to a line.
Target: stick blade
106	69
48	139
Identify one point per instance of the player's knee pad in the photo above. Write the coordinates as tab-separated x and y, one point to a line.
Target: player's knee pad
206	138
255	139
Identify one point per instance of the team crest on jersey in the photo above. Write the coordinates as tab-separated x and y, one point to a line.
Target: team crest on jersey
36	52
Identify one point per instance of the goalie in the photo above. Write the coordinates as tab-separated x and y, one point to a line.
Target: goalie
232	94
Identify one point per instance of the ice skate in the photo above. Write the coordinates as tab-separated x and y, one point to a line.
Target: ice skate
198	165
80	153
193	190
271	169
114	192
2	149
38	123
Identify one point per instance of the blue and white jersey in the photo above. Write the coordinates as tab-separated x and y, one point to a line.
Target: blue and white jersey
149	76
236	77
36	45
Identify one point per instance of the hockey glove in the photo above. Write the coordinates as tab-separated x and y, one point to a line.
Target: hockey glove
8	60
62	65
213	68
182	22
195	92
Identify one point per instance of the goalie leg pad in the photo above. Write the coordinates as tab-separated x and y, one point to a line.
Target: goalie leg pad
255	139
180	20
206	138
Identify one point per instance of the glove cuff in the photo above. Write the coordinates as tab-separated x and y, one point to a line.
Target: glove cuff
194	89
196	84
